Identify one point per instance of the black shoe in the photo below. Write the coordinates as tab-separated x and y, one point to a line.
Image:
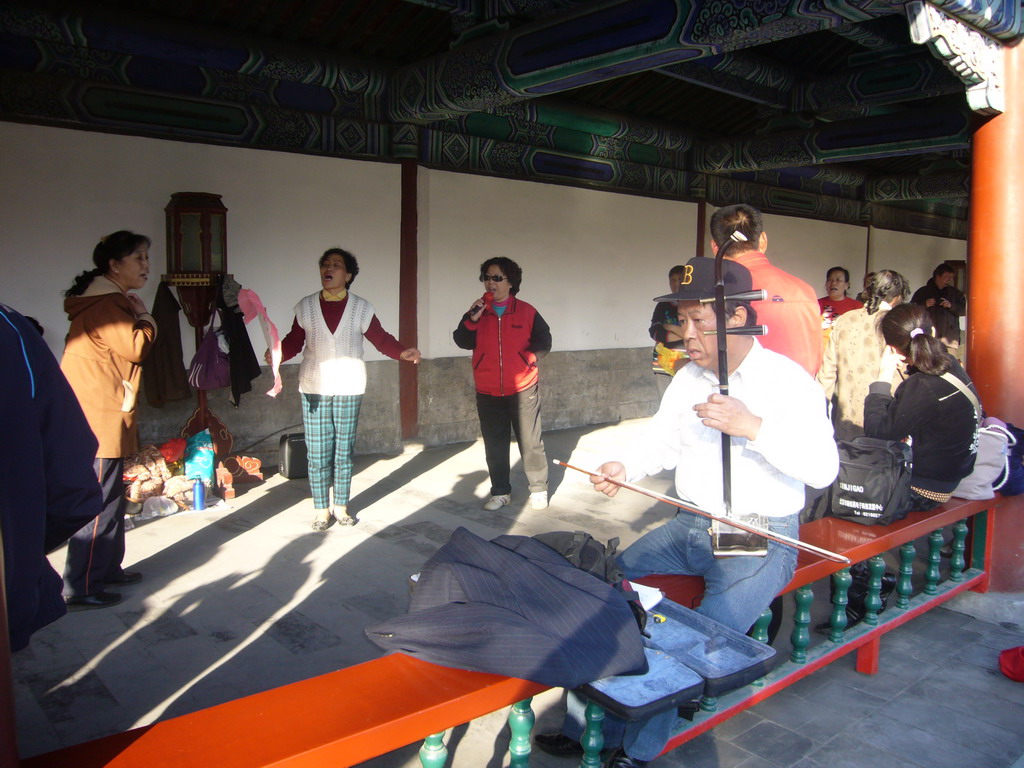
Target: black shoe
620	759
558	744
126	577
89	602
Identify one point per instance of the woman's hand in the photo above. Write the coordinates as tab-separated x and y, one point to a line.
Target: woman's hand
672	332
411	355
138	306
887	366
475	310
610	470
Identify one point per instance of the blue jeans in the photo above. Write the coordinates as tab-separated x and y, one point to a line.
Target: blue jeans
737	590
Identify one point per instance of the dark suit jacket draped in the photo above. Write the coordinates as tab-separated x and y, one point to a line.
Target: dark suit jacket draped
516	607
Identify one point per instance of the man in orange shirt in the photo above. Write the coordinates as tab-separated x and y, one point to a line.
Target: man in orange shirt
791	310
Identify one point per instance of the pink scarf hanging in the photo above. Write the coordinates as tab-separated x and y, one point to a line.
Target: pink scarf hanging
252	307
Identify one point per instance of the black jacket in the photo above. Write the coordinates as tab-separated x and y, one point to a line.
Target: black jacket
946	321
514	606
938	417
245	366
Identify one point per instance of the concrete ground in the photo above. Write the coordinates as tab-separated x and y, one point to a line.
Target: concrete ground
245	598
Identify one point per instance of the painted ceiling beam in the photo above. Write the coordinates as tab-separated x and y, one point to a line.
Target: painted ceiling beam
561	113
835	179
909	132
860	89
743	75
871	35
843	96
194	65
940	186
600	41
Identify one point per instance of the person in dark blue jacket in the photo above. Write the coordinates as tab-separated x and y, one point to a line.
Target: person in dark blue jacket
48	489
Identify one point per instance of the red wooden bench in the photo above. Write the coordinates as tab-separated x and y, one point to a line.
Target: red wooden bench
859	543
397	700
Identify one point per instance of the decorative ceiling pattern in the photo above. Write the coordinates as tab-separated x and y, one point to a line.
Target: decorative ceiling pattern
858	111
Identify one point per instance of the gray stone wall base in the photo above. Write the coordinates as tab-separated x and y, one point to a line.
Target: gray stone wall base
577	388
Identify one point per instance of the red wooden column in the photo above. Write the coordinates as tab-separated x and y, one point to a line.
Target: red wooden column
995	270
408	294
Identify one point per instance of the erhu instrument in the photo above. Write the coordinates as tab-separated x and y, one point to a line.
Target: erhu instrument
728	540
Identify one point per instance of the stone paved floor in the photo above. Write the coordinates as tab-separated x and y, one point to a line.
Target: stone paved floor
246	598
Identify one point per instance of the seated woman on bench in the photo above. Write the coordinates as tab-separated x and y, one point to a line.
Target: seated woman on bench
928	407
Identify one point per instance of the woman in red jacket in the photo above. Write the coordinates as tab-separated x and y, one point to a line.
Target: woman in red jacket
507	337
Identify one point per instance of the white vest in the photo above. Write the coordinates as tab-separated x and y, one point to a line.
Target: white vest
332	364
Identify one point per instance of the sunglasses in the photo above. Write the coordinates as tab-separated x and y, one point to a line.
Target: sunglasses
492	278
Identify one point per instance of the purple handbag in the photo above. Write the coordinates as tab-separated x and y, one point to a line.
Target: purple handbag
211	366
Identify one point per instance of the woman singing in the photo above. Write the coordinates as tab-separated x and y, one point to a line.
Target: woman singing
507	337
328	330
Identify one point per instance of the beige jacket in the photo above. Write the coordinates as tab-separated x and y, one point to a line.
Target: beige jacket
851	360
105	347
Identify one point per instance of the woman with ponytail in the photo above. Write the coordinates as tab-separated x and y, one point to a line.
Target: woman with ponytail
111	333
927	408
854	350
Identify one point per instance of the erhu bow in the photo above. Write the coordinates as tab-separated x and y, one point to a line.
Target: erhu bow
761	532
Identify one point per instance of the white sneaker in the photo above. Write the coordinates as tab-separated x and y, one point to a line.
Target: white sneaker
497	502
539	500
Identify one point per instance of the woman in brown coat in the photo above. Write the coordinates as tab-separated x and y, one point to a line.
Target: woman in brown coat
111	332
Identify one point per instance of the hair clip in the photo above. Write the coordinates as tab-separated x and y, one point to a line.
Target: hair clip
916	332
738	237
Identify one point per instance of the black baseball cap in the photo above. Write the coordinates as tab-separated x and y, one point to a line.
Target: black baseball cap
698	280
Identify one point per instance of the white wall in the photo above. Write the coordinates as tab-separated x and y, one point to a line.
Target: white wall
808	248
64	189
592	261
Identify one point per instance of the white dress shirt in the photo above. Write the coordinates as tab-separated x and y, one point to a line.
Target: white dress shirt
795	445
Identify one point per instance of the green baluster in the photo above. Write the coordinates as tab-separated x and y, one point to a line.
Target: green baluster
873	600
593	737
980	531
841	581
520	723
904	586
434	753
931	571
708	703
759	632
801	624
957	562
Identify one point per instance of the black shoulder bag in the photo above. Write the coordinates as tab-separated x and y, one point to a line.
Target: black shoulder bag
873	485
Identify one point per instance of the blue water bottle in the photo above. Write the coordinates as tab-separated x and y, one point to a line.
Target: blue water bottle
198	495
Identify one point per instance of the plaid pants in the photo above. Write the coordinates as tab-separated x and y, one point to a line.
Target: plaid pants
330	422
